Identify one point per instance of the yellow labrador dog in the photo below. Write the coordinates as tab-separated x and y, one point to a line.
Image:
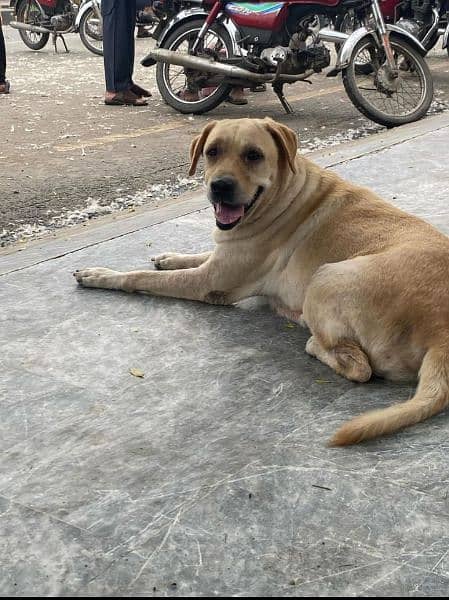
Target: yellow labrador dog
370	281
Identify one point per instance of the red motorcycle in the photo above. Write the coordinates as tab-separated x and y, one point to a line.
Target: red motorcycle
38	19
207	49
426	20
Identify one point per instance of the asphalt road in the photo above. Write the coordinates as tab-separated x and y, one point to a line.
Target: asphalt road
66	157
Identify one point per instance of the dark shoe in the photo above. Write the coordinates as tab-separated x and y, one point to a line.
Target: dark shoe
5	87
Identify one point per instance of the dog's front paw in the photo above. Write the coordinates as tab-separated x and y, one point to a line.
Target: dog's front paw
168	261
99	277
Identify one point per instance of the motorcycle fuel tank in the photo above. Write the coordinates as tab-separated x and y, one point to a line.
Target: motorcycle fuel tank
48	3
388	9
266	15
263	15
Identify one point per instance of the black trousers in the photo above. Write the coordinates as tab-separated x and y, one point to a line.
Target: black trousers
119	21
2	56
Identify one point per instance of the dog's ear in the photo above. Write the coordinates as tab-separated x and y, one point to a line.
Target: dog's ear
197	146
285	140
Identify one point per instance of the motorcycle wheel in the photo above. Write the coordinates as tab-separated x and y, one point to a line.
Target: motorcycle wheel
404	100
171	80
29	12
91	32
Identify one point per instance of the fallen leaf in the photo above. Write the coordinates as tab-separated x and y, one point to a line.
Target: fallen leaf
137	373
290	325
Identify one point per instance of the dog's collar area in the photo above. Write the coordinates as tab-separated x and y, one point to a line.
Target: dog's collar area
246	208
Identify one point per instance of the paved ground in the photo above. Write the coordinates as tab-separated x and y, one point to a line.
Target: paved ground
65	155
210	475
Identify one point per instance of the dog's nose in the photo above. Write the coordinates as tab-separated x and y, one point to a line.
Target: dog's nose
223	186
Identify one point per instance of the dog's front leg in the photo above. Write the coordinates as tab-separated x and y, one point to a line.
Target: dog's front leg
171	261
205	283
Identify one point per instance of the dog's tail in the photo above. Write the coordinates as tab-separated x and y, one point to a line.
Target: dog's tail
431	397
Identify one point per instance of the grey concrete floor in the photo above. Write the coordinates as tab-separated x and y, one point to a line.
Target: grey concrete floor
210	475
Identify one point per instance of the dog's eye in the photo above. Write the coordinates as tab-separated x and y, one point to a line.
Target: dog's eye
253	155
211	152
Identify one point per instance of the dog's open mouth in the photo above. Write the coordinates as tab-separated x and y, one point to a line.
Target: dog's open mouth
228	215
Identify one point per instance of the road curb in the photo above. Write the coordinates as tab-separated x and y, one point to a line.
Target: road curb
379	141
114	226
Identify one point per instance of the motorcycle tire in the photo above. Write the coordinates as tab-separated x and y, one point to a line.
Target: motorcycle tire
41	38
382	117
220	93
86	38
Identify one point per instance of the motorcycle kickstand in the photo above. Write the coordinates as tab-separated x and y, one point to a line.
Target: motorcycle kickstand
55	39
278	90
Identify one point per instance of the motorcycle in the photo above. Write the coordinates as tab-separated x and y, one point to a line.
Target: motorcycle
38	19
164	11
426	20
220	44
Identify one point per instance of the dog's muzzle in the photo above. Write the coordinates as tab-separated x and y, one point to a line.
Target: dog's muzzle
228	214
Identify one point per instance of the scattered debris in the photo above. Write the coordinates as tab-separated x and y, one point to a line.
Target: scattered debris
137	373
321	487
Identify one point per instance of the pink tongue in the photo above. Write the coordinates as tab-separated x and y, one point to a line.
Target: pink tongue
228	214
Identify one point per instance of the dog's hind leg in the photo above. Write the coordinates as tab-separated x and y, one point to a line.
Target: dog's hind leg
333	324
171	261
346	358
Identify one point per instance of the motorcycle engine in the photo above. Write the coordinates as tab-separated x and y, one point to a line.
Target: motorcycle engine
296	60
410	26
61	22
64	20
416	16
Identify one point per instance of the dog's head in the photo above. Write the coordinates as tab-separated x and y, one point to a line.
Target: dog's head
244	159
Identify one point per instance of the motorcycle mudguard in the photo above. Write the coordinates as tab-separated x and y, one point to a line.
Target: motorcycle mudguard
184	16
344	56
85	7
14	4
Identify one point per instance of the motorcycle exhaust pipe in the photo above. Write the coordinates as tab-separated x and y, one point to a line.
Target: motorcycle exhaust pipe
33	28
202	64
330	35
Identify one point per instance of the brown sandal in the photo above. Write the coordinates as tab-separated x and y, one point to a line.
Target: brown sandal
126	98
237	101
5	87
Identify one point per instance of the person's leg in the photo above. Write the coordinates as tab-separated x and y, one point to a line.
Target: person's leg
118	27
3	83
119	18
128	15
108	14
131	20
